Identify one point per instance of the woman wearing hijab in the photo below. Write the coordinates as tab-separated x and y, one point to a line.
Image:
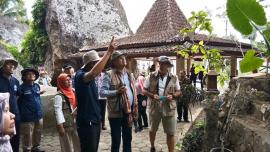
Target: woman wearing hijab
7	123
65	106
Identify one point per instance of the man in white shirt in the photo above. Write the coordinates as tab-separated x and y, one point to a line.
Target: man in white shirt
162	88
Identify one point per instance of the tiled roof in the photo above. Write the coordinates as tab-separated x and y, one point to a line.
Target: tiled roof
165	15
159	34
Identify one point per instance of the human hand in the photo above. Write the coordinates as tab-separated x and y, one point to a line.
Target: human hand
122	90
169	98
113	45
61	130
156	97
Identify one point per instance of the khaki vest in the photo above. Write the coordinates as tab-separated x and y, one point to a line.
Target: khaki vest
69	119
114	104
157	107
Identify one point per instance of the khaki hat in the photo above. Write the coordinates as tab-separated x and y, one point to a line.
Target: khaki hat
6	60
90	56
116	55
165	59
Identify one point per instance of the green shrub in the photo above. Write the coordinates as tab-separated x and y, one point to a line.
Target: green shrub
193	141
15	52
35	42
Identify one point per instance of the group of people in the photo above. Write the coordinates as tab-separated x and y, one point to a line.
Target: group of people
81	100
24	103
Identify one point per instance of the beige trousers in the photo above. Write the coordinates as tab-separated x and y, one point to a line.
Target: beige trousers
31	134
70	141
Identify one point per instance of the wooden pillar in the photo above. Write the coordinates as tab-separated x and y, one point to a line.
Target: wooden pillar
180	64
188	66
233	66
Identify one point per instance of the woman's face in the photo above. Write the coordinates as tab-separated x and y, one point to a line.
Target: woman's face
8	119
67	82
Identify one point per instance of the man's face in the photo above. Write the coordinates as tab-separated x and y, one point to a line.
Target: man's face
30	76
69	71
164	67
182	74
8	68
120	62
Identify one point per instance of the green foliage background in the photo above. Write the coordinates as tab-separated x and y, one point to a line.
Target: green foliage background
35	42
193	141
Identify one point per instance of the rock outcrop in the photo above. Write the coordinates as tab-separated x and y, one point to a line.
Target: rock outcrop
72	24
12	32
242	116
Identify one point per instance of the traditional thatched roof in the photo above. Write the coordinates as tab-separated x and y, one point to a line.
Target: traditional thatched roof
159	34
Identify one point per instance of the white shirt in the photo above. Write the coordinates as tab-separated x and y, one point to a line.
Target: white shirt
161	84
58	109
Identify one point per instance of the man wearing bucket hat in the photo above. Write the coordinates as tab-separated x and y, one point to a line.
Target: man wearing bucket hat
11	84
162	88
31	111
88	108
119	88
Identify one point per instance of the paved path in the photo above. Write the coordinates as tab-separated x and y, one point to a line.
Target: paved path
140	142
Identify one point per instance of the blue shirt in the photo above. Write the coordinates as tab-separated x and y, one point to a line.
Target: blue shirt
88	108
12	86
30	103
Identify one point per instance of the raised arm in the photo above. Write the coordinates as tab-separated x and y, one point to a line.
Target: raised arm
99	66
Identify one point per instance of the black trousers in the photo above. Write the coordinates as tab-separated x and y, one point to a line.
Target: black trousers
89	137
103	110
182	110
119	126
15	140
142	112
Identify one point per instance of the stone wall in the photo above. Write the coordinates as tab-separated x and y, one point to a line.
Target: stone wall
244	115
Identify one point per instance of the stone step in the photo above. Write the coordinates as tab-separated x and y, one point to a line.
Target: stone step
248	134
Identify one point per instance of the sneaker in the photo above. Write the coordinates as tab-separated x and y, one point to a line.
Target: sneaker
153	149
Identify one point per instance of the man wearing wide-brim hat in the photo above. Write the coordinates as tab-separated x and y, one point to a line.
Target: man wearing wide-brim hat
31	111
162	89
88	108
119	88
11	84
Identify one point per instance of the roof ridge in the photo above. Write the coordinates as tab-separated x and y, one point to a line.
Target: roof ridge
164	15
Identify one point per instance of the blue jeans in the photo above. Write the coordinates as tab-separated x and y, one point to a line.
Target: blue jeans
118	126
89	137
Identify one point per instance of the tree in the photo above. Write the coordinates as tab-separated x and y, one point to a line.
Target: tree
200	22
14	9
35	42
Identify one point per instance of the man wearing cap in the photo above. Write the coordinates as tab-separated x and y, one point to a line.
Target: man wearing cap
119	88
88	108
162	88
11	84
31	111
68	69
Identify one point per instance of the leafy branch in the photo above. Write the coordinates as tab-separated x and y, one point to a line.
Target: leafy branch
201	23
249	23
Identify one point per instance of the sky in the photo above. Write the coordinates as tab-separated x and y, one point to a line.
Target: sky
136	10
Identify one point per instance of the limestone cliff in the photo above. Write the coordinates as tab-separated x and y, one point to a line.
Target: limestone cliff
72	24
